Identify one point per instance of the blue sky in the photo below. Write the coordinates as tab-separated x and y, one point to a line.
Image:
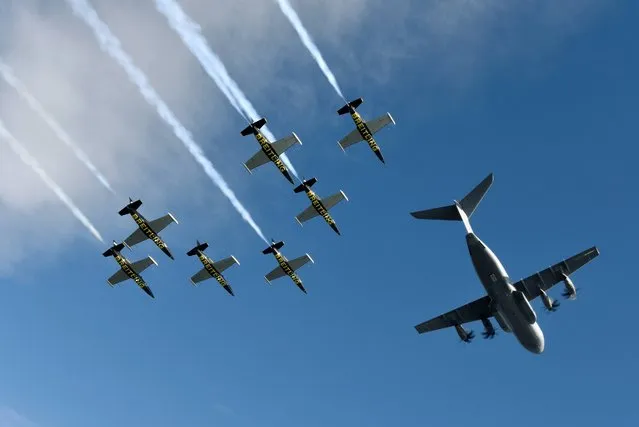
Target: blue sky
548	105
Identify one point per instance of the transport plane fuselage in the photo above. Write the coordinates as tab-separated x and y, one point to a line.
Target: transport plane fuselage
363	129
143	224
267	148
513	311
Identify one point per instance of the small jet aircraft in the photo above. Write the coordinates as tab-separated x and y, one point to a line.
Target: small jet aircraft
507	301
364	129
211	269
128	269
286	267
318	206
147	229
269	151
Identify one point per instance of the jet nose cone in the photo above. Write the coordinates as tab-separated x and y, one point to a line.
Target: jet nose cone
148	292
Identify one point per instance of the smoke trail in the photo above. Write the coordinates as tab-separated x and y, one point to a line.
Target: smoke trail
33	164
110	43
11	79
190	33
290	13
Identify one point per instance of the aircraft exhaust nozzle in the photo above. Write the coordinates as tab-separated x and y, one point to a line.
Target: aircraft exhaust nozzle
252	128
350	106
198	247
132	206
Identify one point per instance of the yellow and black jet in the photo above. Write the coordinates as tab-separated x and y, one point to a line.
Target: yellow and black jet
147	229
319	207
269	151
286	267
364	130
211	269
128	269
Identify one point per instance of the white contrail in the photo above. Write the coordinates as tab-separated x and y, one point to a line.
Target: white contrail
24	155
290	13
12	80
190	33
110	43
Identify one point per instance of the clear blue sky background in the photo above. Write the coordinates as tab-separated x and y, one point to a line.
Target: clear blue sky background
559	132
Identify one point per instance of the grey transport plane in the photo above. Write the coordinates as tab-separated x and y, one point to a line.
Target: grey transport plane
211	268
507	301
147	229
319	207
128	269
269	152
286	267
364	130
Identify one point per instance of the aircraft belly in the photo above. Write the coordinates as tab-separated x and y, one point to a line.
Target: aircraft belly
529	335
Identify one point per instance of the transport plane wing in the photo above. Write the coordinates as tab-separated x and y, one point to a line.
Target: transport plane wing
536	285
476	310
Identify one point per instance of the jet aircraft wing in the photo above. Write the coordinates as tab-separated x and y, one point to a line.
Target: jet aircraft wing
160	224
256	161
225	263
334	199
276	273
476	310
299	262
352	138
377	124
136	237
281	145
119	276
543	280
200	276
308	213
143	264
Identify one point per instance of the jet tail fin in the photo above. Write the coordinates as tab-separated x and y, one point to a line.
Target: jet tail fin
307	182
198	247
132	206
271	249
250	129
353	104
459	211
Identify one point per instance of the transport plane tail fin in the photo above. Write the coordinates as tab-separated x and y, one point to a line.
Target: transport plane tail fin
459	211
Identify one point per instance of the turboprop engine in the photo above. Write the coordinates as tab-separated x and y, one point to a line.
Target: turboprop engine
549	303
489	330
570	290
466	336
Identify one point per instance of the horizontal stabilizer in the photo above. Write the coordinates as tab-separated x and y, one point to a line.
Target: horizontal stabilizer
198	247
306	183
251	129
271	249
467	205
347	108
132	206
111	251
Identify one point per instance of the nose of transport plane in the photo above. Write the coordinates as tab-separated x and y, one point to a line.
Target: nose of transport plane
536	344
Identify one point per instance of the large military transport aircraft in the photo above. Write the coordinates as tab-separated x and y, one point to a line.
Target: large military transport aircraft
147	229
269	151
128	269
507	301
319	207
211	268
364	130
286	267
